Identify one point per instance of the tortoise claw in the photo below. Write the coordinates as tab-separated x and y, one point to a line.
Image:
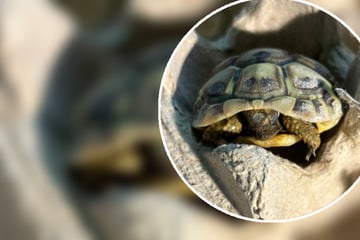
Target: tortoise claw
310	152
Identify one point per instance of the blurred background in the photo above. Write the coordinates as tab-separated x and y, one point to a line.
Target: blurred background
80	150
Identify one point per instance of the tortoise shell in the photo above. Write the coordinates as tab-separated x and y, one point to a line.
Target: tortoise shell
267	78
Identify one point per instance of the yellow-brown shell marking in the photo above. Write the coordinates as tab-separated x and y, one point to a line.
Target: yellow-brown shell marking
293	85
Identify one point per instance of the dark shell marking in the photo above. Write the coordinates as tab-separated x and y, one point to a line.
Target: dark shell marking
293	85
216	89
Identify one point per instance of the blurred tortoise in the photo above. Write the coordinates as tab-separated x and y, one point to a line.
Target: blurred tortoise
267	97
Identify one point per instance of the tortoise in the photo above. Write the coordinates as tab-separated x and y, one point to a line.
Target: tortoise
268	97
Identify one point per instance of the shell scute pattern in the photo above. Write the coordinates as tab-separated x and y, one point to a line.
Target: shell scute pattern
260	81
216	89
307	83
293	85
317	67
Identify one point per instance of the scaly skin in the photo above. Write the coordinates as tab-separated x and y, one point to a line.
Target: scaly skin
262	124
265	129
216	133
306	131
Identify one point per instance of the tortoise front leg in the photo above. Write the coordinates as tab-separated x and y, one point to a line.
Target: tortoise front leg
218	132
306	131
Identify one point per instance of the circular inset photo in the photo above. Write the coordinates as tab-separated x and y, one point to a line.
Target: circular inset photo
259	111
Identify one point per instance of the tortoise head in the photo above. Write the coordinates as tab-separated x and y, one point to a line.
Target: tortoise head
262	124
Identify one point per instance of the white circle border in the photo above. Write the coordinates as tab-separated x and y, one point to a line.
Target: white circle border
238	216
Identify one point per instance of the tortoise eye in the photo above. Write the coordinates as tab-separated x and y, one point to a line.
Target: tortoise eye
274	116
